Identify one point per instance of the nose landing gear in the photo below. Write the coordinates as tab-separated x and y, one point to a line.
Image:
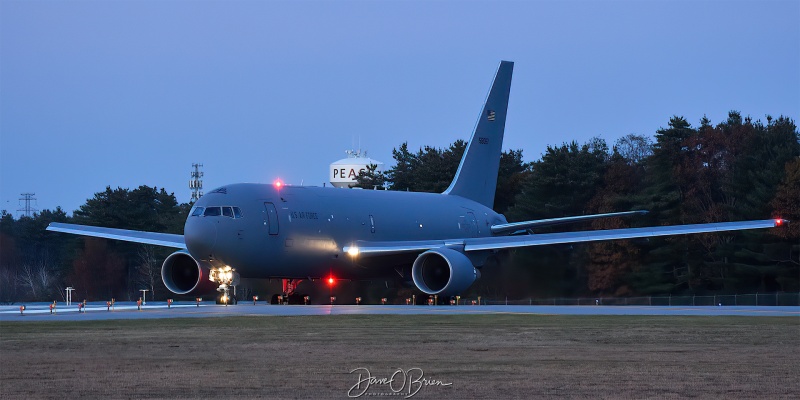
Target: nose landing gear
225	277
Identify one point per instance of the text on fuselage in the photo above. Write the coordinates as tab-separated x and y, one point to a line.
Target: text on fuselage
304	215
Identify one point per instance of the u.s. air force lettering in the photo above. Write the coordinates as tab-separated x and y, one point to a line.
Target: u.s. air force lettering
303	215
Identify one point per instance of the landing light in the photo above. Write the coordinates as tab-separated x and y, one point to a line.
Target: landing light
222	276
352	251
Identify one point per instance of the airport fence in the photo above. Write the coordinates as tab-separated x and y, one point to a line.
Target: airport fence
754	299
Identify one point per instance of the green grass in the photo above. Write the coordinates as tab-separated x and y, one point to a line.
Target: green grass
484	356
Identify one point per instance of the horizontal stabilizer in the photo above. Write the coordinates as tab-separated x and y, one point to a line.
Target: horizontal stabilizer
158	239
516	226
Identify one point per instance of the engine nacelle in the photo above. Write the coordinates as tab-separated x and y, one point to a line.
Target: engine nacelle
443	272
183	274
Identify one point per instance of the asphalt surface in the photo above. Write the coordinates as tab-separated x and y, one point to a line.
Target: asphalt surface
152	310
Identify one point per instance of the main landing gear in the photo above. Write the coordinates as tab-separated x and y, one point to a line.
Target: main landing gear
290	295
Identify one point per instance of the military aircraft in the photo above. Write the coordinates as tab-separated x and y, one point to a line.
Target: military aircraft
438	241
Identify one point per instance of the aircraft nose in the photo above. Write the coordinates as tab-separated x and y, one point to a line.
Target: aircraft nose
200	237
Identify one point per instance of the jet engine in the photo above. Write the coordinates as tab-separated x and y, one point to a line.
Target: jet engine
183	274
443	272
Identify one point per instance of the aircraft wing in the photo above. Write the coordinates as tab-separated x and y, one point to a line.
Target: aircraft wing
516	226
158	239
506	242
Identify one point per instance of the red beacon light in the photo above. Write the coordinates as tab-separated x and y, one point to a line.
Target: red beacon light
278	184
331	281
778	222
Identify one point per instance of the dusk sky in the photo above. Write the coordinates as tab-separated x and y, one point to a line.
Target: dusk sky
123	93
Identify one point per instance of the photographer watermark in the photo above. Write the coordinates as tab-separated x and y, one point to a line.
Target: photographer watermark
402	382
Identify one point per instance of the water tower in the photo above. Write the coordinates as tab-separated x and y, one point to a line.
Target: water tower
343	173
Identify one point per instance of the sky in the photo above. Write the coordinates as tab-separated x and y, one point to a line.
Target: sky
124	93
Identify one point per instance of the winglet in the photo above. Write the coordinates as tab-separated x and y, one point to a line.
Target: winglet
476	178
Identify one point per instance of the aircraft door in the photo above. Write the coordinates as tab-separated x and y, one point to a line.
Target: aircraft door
468	224
272	218
473	224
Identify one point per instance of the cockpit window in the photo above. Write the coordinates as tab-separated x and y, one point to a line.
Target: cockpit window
212	212
226	211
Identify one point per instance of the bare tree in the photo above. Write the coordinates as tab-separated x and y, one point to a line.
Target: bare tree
39	278
634	148
27	278
47	279
148	272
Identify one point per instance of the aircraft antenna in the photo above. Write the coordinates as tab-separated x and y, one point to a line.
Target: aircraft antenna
27	210
196	183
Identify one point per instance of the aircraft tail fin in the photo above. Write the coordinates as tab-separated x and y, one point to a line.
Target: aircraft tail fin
476	178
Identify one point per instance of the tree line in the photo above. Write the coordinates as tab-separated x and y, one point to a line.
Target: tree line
37	265
738	169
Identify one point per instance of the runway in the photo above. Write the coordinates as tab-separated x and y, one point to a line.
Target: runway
156	310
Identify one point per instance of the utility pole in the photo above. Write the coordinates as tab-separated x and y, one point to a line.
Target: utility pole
196	183
27	210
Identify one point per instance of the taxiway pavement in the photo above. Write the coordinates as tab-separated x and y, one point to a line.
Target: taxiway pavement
153	310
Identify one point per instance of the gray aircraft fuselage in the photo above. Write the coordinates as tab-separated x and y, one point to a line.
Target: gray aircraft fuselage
311	225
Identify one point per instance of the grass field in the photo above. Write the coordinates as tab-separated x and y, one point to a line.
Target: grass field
483	356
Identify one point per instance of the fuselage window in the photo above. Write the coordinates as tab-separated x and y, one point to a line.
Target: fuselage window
198	211
212	212
237	212
227	212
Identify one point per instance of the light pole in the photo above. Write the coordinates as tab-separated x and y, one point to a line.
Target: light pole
69	294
